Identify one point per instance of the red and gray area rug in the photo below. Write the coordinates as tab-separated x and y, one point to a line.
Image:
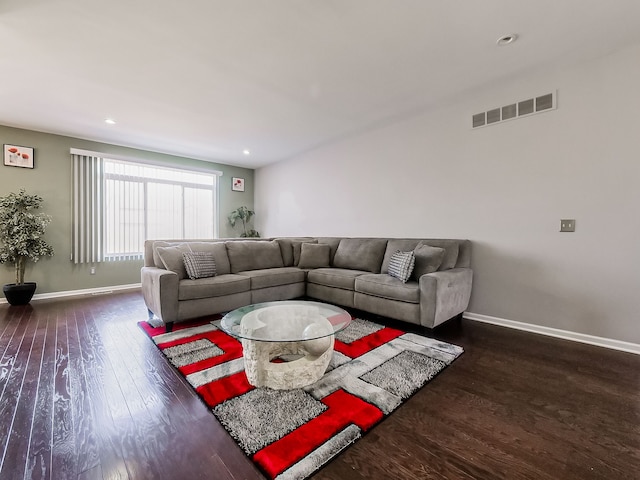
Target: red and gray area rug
291	434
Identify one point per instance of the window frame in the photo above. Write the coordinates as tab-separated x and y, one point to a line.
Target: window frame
214	187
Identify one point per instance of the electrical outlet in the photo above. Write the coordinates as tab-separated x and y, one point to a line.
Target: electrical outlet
92	271
568	225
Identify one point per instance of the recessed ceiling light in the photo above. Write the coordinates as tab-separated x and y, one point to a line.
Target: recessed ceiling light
246	151
110	121
507	39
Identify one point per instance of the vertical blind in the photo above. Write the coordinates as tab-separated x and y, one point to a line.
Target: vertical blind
88	208
118	204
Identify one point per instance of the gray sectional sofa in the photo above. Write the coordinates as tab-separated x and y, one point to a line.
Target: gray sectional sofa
351	272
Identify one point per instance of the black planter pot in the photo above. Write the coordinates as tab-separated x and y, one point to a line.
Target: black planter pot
19	294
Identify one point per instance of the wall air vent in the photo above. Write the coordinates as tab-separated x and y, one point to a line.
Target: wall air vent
523	108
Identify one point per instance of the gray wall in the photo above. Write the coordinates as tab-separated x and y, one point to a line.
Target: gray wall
505	187
51	178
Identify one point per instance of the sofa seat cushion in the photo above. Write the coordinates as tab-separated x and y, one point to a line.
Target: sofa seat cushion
273	277
334	277
385	286
219	286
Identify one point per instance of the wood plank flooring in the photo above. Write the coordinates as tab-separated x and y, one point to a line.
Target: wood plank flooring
84	394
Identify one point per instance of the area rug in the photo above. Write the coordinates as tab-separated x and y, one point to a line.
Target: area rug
290	434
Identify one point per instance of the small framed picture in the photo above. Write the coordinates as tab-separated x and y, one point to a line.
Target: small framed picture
237	184
17	156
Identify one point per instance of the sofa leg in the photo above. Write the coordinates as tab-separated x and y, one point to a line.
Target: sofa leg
168	327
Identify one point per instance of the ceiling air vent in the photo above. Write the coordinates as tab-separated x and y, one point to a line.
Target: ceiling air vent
519	109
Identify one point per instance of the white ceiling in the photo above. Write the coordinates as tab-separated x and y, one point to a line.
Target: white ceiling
208	78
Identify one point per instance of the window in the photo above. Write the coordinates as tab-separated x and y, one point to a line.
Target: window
127	202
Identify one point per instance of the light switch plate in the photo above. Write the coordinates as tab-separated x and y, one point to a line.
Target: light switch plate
568	225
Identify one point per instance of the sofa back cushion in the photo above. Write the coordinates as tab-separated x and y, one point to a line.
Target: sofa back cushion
360	254
253	255
314	255
333	243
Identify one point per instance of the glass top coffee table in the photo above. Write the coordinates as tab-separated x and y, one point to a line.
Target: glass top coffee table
272	332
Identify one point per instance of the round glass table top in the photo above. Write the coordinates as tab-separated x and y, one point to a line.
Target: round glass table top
285	321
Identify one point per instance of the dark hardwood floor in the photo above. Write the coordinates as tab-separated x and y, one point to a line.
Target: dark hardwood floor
84	394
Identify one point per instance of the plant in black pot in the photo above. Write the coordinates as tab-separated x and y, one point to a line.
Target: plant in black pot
21	232
244	215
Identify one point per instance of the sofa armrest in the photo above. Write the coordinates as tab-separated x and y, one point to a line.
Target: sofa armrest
160	292
444	295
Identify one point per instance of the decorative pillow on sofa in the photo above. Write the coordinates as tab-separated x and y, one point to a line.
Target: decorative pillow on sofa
199	264
314	255
451	250
217	249
286	248
428	259
401	265
157	261
297	249
172	260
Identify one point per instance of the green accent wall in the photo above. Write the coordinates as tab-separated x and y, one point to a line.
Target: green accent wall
51	179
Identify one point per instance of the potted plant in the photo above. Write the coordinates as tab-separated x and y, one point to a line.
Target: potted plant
21	232
244	215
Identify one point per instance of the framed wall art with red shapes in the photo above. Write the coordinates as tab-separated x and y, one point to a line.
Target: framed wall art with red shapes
237	184
17	156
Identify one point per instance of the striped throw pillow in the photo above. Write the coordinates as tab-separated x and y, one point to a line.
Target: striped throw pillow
401	265
199	264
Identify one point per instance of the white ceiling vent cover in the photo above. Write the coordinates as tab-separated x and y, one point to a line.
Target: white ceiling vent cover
522	108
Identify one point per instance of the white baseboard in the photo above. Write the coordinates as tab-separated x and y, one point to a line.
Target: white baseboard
80	293
555	332
527	327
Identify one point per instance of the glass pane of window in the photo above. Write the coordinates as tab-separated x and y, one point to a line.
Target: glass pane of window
198	213
148	202
124	217
164	211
